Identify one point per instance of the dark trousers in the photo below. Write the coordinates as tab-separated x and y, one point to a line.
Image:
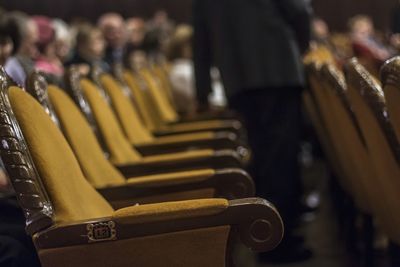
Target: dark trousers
273	120
16	247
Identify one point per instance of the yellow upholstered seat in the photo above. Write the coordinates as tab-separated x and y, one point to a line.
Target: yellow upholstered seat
74	199
129	119
72	225
161	116
143	102
163	107
121	151
95	166
131	122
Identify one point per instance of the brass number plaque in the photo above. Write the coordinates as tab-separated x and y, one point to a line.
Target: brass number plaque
103	231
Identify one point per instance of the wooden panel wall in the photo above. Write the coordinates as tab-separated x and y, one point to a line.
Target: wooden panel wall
179	10
336	12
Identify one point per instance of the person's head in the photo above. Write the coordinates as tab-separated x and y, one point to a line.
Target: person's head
320	29
160	17
180	45
29	35
90	42
10	38
361	26
136	30
63	41
47	36
113	28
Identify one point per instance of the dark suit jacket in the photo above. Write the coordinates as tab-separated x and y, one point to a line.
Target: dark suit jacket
254	43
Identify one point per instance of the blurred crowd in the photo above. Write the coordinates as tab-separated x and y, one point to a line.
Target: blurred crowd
50	45
362	40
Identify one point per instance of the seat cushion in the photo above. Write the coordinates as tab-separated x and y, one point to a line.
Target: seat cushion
97	169
121	151
72	196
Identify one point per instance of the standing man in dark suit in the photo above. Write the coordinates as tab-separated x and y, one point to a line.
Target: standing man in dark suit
257	46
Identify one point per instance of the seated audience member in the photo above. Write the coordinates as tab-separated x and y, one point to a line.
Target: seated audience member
162	25
135	56
112	26
371	51
47	62
320	31
25	39
8	30
338	44
136	31
63	39
89	50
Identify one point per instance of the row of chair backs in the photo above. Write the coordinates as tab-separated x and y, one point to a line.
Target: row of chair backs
45	162
357	125
369	106
337	138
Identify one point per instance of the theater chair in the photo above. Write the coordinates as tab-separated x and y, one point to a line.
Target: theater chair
71	224
161	72
391	86
169	118
317	122
122	191
345	169
369	105
140	137
354	143
127	158
161	119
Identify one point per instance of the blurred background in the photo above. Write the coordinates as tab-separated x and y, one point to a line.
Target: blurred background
335	12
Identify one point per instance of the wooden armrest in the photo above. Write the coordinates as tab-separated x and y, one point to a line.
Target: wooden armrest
175	143
256	221
233	125
211	115
161	164
171	179
195	127
170	211
227	183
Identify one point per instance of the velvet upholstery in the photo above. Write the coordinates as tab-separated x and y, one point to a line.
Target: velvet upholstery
56	163
131	123
80	136
118	145
121	151
142	101
126	113
164	108
97	169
